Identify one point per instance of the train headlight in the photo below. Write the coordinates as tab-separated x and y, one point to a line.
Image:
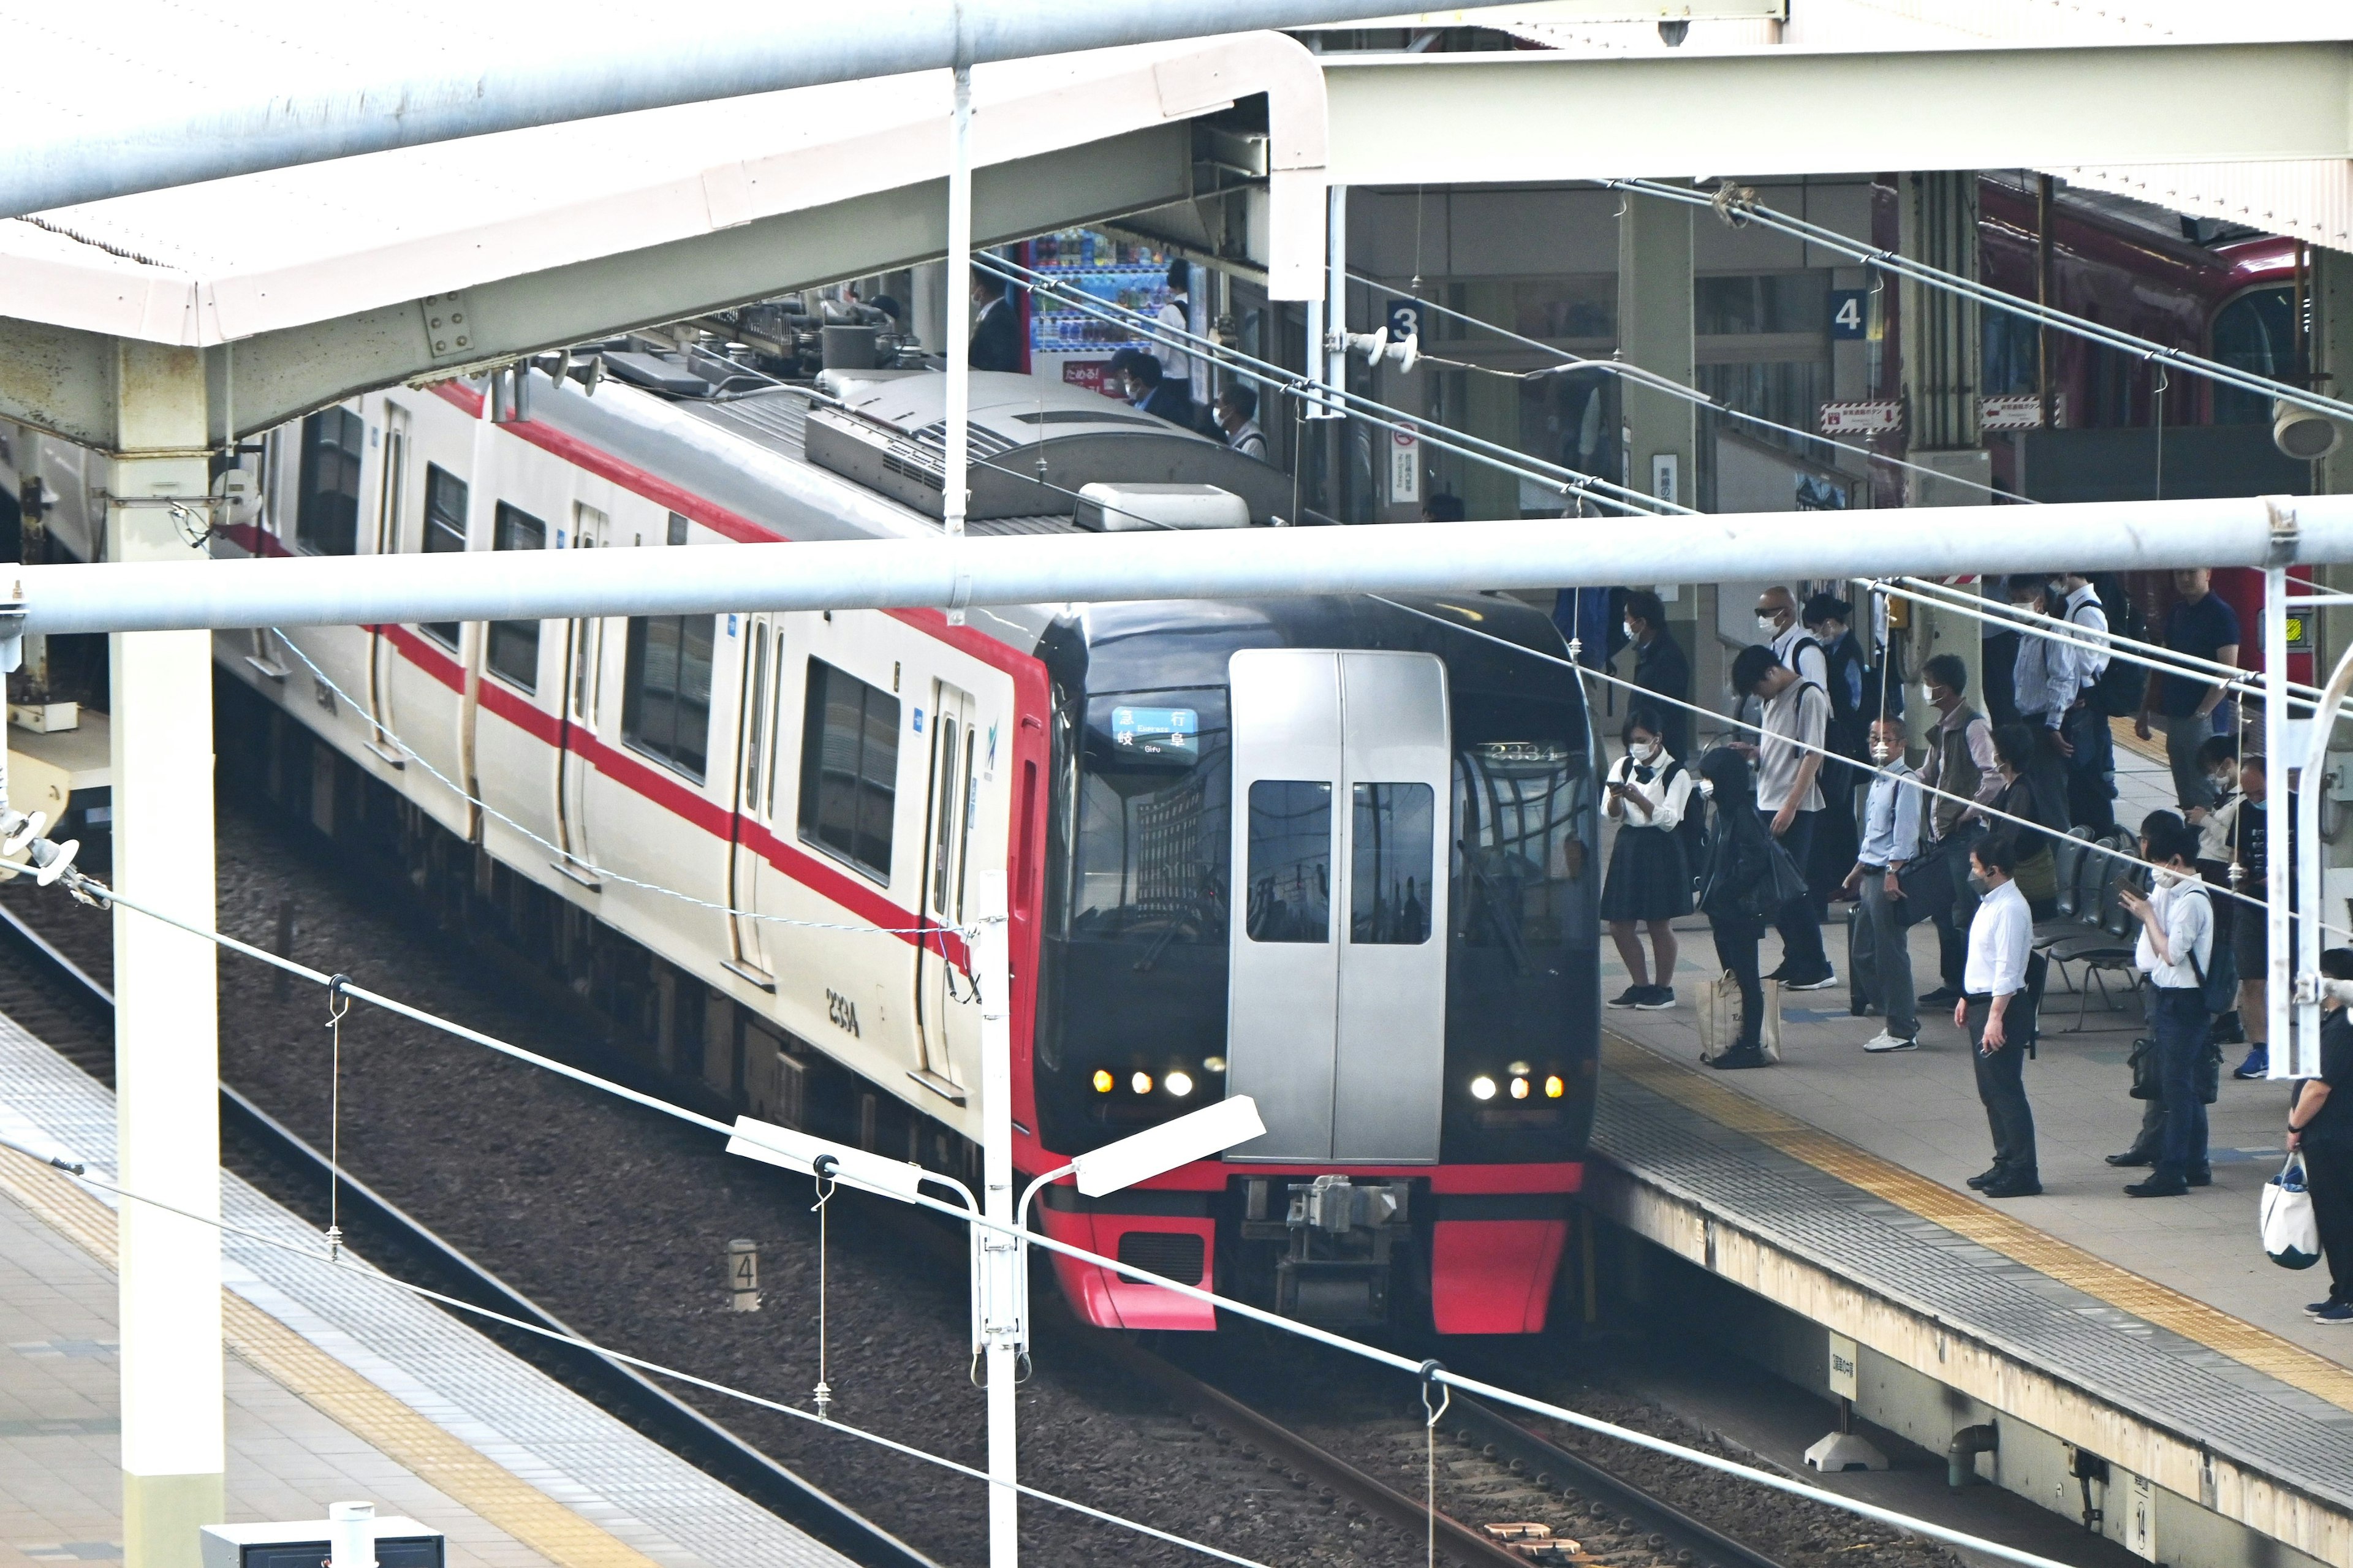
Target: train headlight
1482	1088
1103	1081
1141	1083
1519	1069
1519	1089
1179	1084
1213	1064
1554	1087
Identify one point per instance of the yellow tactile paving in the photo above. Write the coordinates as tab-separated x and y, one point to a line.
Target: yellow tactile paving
491	1491
2070	1265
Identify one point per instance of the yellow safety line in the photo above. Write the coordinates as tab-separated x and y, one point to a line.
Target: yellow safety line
475	1482
1989	1227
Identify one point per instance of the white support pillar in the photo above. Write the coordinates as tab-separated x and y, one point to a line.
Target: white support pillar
166	1043
997	1259
953	498
2279	983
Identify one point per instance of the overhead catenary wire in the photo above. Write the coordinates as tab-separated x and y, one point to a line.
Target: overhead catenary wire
1656	382
85	887
1353	404
79	1171
1739	207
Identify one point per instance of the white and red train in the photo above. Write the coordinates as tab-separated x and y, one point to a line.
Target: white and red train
1408	982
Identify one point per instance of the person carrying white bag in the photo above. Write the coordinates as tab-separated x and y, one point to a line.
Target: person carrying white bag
2320	1133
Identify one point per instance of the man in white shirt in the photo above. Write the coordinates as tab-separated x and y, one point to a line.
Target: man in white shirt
1878	957
1175	314
1788	755
1786	635
2175	945
1998	1014
2041	685
2086	740
1237	410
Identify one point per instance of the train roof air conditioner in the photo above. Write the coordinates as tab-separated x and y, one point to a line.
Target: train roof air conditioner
1123	508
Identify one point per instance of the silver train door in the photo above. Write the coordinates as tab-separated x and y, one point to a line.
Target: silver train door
948	825
756	784
1336	1003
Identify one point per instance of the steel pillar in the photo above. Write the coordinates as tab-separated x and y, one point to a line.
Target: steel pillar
1943	333
1660	432
167	1044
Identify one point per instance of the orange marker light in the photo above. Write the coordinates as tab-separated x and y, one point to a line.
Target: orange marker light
1103	1081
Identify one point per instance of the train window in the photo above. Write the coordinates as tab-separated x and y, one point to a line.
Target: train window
327	503
445	530
1393	847
1289	878
1520	807
849	768
514	644
666	689
2255	332
1154	831
755	724
945	799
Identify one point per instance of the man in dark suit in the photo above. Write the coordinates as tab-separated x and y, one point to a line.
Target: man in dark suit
1154	394
996	334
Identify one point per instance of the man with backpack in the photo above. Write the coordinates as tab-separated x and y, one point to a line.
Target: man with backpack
2176	944
2086	740
1788	755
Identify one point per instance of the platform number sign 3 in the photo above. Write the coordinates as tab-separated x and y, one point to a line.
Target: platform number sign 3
1404	320
1847	314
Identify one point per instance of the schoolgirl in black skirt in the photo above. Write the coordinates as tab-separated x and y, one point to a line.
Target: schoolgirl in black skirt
1649	881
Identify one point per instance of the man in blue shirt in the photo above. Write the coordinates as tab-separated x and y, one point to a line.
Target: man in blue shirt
2187	708
1879	960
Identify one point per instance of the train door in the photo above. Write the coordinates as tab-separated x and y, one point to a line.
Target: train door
947	826
755	781
583	694
1337	1004
391	493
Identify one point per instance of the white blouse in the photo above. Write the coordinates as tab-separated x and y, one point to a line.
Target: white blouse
1669	801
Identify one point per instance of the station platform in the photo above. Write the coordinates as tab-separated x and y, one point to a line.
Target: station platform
339	1387
2152	1335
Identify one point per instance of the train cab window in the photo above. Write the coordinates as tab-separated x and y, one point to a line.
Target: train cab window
327	504
444	531
1521	833
849	768
2255	332
666	689
1153	829
1393	846
1290	876
514	644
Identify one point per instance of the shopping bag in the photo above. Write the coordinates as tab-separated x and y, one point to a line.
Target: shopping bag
2291	1234
1719	1018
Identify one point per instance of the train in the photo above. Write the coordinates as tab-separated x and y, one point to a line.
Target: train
1336	854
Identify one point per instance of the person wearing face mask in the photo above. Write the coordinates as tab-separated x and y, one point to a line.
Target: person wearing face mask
2220	757
1879	960
1789	752
1661	668
1960	768
1736	894
1777	623
2154	829
2039	684
1997	1009
1649	882
2176	937
1827	618
2086	740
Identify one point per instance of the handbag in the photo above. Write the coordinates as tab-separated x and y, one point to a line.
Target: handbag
1719	1018
1788	881
1926	880
2145	1084
2291	1231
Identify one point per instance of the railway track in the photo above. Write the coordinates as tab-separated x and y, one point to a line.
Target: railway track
1189	1456
59	1002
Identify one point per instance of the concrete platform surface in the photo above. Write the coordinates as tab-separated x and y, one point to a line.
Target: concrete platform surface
342	1386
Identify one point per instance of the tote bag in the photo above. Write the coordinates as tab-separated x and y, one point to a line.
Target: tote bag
2291	1234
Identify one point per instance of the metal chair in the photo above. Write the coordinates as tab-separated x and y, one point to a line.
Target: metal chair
2109	950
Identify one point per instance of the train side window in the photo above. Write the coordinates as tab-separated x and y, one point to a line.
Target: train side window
514	644
849	768
327	497
666	689
444	531
1290	861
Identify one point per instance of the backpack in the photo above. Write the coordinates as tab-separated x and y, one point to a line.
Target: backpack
2122	686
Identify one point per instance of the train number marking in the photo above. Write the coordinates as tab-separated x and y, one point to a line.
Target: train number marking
842	1010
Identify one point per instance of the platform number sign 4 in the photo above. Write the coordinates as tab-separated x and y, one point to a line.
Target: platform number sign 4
1849	316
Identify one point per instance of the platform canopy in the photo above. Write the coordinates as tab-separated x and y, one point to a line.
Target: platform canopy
304	285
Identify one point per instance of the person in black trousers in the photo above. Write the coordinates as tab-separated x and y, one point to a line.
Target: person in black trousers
1997	1009
995	343
1737	892
2176	944
2320	1125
